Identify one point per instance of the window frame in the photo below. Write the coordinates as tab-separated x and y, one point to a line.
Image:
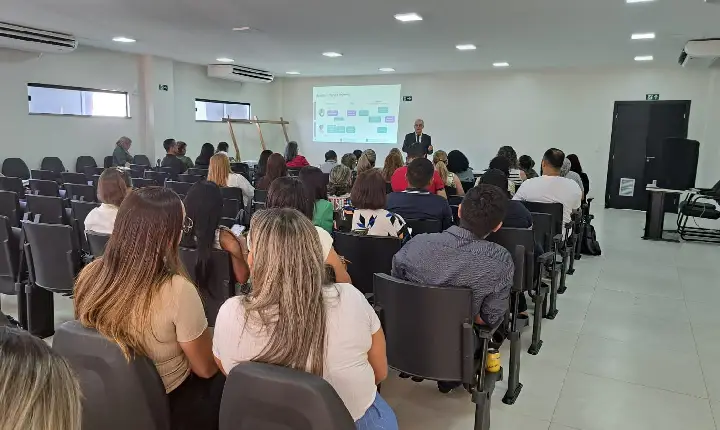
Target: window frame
81	90
224	103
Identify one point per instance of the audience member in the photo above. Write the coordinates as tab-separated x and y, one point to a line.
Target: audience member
339	186
293	159
399	180
112	189
576	167
289	192
276	168
203	205
451	180
517	215
527	165
366	161
368	212
459	165
137	296
203	160
121	156
416	202
357	153
551	187
171	160
502	164
393	161
517	176
224	148
565	172
292	318
349	160
261	167
330	161
182	149
221	173
314	180
38	388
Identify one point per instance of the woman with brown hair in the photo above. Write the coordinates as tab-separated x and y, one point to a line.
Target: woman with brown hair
138	295
366	161
276	168
112	189
339	185
368	212
221	173
393	161
292	318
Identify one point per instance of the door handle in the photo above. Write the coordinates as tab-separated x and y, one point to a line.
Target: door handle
647	159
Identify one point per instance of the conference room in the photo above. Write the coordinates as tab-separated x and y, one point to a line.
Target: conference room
581	296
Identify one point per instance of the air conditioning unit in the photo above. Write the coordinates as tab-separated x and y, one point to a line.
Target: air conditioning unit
239	73
701	54
22	38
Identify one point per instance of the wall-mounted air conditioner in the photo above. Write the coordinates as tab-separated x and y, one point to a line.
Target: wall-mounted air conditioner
239	73
700	54
22	38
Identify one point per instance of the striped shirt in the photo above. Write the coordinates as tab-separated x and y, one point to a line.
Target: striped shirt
458	258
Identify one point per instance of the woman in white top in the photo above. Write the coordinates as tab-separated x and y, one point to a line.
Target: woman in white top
368	212
329	330
112	189
440	160
221	174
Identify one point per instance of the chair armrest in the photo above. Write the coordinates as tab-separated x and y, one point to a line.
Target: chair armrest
558	238
370	297
486	331
546	258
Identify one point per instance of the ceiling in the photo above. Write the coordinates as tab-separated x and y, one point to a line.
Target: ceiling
290	35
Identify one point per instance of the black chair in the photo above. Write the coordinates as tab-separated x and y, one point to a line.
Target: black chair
73	178
158	177
180	188
456	214
16	168
171	174
544	232
97	243
92	171
10	207
445	350
258	200
293	172
108	161
564	248
241	168
13	271
44	188
142	160
83	162
231	208
137	171
50	209
45	175
220	286
14	185
467	186
198	172
190	179
80	211
700	203
264	396
53	164
95	180
82	192
343	221
142	183
117	394
366	255
420	226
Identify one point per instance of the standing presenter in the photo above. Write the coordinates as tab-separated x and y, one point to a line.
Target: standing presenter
418	138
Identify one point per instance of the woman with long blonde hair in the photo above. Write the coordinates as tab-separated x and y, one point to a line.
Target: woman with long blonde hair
38	389
451	180
138	295
221	173
292	319
393	161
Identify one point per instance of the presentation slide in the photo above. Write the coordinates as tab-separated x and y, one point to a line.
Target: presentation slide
359	114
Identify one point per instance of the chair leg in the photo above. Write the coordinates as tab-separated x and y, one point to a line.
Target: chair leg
514	385
482	395
552	310
571	246
563	272
540	300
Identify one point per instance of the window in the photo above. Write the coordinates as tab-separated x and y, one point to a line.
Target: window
60	100
216	110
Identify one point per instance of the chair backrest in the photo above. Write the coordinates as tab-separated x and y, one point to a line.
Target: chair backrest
54	259
366	255
420	226
80	211
467	185
9	256
97	242
142	183
171	174
232	193
197	171
45	175
231	208
260	196
293	172
16	168
241	168
91	171
220	286
83	162
50	209
44	188
54	164
456	214
142	160
265	396
137	171
117	394
435	350
543	229
158	177
554	209
181	188
108	161
190	179
73	178
14	185
10	207
95	180
511	239
83	192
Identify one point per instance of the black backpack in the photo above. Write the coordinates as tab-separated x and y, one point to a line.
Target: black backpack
590	245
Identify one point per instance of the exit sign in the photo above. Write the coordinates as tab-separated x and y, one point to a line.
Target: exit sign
652	97
407	98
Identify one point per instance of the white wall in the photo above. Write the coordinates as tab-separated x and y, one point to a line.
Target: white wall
479	112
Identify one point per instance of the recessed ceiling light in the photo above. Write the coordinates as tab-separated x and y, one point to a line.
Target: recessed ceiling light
638	1
642	36
122	39
292	73
644	58
386	69
466	47
241	28
332	54
408	17
225	60
501	64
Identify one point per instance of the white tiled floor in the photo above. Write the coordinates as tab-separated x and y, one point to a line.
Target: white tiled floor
636	346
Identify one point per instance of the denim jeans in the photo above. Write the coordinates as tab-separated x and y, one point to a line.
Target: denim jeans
379	416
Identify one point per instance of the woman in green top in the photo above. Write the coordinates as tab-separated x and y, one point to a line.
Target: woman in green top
315	183
121	156
182	149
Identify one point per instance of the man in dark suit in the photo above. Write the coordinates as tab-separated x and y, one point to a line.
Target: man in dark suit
418	138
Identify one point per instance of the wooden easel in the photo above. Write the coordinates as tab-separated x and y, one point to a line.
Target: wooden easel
257	123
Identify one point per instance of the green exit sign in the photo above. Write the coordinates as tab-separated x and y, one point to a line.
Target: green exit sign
652	97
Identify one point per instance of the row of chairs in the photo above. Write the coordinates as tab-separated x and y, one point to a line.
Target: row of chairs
16	167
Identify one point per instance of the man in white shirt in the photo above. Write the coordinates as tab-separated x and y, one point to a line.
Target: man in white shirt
551	187
330	161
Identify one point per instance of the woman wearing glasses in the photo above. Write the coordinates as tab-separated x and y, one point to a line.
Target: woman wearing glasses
138	296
